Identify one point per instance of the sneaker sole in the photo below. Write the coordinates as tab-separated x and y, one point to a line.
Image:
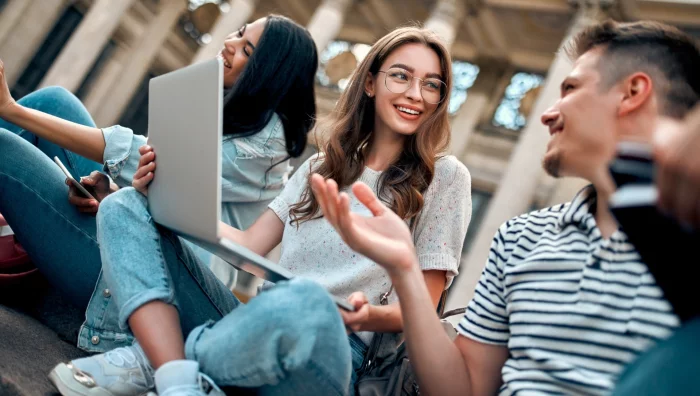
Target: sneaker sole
62	378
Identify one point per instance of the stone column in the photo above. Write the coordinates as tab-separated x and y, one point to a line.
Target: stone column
27	33
11	16
100	89
140	58
237	15
521	178
445	19
479	97
327	21
86	43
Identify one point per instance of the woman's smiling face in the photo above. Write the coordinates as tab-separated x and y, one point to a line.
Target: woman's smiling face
238	48
404	112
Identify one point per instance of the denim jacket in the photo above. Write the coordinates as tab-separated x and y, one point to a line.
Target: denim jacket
249	182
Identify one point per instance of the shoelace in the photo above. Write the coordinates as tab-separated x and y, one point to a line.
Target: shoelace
125	355
120	357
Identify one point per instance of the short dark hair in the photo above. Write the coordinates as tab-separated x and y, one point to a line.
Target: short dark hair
669	56
278	78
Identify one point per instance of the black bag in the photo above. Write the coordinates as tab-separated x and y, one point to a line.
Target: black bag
386	369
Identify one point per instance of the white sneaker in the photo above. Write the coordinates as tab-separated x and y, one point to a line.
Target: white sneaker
182	378
120	372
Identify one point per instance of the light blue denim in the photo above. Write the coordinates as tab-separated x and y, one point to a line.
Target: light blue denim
253	169
34	198
60	239
290	340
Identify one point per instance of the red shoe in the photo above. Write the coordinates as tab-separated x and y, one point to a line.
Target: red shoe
15	264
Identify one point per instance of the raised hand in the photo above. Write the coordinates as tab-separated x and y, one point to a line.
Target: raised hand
146	171
384	237
6	100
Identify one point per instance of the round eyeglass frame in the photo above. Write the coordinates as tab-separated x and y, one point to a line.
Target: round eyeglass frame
443	88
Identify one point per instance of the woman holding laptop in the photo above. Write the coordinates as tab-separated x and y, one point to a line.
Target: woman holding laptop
266	120
390	130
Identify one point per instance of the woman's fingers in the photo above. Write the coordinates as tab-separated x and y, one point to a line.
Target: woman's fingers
142	183
318	186
345	220
144	149
335	206
367	197
88	181
146	159
144	170
84	205
358	299
332	201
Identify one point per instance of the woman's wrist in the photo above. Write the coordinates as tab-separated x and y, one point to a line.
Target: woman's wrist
407	279
405	266
383	319
9	110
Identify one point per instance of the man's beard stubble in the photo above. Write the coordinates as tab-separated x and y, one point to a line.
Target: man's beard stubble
551	165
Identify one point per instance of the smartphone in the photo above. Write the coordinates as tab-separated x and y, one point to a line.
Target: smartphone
664	245
76	183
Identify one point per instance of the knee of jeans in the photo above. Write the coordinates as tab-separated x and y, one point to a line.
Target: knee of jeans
303	298
303	311
9	145
120	205
56	94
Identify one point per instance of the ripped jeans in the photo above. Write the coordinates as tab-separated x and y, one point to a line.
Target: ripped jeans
289	340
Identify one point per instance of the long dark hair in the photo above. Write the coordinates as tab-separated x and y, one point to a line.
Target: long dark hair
278	78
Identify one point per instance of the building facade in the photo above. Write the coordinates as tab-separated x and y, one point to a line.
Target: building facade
506	63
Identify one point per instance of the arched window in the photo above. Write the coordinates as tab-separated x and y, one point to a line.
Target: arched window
338	61
509	113
197	27
464	74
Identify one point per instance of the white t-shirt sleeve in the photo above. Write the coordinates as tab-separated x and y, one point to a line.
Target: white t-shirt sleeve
444	219
486	319
295	187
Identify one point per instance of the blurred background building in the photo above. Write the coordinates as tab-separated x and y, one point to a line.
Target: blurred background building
506	63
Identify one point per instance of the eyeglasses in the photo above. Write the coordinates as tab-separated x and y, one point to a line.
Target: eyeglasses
398	80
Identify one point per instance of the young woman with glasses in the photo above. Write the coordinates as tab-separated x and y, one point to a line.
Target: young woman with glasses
390	130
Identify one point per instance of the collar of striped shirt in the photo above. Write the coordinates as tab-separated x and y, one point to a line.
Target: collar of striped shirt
580	210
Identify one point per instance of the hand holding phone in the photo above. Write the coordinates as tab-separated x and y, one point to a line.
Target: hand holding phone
72	180
666	247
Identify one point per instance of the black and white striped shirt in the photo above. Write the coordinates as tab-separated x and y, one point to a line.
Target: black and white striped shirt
572	307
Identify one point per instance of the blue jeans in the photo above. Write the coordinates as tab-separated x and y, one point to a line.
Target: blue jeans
34	198
671	367
290	340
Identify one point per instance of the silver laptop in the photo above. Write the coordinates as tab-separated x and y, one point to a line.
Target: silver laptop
185	123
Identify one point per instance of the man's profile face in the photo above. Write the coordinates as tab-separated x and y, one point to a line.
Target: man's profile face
582	122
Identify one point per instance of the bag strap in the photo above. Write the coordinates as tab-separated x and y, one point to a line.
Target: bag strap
376	342
373	349
453	312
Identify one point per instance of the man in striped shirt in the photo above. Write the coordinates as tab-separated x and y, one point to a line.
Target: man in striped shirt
564	302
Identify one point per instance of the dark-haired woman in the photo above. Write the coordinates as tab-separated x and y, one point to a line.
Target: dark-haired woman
266	120
390	130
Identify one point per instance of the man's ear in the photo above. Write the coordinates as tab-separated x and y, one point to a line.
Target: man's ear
369	85
638	89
